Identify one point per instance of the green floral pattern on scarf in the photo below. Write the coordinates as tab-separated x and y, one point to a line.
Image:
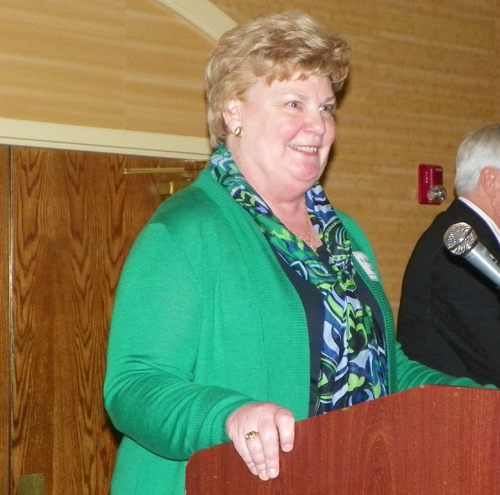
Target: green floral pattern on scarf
353	366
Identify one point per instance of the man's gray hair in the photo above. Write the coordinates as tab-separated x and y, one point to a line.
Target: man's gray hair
478	150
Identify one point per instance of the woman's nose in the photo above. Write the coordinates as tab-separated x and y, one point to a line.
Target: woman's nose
315	122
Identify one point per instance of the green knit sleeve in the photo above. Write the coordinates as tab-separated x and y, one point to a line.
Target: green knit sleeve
412	374
150	391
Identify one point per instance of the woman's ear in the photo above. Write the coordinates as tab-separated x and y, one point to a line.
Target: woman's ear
232	115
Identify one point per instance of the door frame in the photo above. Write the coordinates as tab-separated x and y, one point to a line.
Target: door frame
103	140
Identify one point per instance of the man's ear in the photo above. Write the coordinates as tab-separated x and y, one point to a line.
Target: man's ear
232	115
490	181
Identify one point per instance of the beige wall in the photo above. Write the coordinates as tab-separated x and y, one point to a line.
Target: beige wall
424	74
120	64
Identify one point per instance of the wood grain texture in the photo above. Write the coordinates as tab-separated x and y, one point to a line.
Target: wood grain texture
164	72
76	216
427	441
5	330
121	64
424	74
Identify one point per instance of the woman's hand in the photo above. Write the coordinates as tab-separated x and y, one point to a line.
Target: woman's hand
257	432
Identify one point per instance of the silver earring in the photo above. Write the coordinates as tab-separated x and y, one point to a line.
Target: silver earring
238	132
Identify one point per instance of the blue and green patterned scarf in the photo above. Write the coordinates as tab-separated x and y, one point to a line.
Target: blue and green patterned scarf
353	366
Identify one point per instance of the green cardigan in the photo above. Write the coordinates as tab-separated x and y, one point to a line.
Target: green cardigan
206	321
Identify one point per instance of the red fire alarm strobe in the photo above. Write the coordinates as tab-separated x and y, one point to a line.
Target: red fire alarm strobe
431	190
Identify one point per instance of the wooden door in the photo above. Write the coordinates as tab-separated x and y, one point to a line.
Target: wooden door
5	335
74	218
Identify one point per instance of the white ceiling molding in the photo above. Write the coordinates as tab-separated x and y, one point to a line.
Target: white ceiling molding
208	20
203	15
81	138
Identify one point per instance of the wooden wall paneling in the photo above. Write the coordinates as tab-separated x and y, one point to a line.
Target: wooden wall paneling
494	81
119	64
423	75
62	61
5	331
76	217
165	61
419	83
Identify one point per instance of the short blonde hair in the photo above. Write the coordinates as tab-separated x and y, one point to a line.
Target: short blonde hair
275	46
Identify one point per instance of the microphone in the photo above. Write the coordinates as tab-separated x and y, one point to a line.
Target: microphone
462	240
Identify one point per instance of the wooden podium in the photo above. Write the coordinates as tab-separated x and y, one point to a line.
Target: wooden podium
427	441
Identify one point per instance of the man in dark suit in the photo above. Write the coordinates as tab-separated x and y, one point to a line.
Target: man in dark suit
449	317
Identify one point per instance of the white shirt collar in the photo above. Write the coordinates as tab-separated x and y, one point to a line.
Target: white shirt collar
491	224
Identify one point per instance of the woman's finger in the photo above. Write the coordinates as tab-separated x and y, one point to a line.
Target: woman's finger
255	448
260	447
285	422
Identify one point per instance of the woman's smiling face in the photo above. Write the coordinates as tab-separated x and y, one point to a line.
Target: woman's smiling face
288	130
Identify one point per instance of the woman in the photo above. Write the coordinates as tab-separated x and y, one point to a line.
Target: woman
248	302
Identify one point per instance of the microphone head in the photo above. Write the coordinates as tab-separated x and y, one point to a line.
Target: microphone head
460	238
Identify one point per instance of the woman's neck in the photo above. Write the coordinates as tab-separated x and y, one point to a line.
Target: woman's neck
296	219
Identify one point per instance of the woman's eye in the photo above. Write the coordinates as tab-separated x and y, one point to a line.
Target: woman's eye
328	108
293	104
